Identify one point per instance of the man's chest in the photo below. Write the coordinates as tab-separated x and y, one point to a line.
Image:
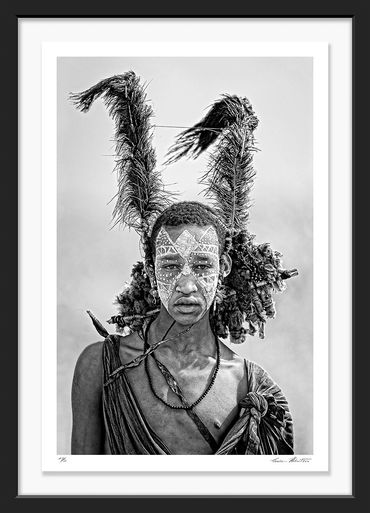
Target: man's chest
217	410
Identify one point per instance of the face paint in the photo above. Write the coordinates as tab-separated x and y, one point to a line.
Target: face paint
195	255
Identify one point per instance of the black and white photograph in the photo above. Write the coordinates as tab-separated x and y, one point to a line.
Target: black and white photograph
185	256
185	193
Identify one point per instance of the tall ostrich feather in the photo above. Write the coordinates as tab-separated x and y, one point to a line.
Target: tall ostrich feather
141	195
229	124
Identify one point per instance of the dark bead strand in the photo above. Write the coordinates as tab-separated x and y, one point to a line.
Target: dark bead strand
195	403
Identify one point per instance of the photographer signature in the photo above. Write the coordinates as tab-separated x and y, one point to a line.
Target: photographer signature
294	459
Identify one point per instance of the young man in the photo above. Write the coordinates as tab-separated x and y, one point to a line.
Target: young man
192	395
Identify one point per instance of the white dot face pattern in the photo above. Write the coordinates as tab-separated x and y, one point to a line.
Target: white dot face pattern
196	255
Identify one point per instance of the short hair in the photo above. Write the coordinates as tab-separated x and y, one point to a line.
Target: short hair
188	212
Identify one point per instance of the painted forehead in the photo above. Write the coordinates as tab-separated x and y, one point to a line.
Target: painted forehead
187	241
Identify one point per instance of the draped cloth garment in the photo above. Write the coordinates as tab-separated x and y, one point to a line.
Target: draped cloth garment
264	425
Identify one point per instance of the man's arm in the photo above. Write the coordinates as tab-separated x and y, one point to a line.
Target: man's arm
88	424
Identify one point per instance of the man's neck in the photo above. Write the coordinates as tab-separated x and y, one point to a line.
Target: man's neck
198	339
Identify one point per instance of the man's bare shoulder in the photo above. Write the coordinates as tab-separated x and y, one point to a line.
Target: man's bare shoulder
90	354
228	354
233	361
233	366
88	368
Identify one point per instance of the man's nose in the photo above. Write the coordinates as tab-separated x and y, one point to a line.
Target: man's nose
186	284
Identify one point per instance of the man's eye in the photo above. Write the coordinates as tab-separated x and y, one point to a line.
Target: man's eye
202	266
170	266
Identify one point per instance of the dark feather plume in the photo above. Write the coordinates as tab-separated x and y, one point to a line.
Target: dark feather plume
141	195
229	124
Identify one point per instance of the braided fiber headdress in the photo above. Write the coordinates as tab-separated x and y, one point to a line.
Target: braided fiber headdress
244	298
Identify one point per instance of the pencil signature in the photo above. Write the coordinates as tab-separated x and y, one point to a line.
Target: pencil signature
291	460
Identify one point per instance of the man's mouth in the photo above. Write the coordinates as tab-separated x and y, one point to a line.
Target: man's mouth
187	304
186	301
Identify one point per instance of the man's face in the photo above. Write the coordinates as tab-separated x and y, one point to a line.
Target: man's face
187	269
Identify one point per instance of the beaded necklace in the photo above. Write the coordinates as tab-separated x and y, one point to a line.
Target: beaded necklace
172	383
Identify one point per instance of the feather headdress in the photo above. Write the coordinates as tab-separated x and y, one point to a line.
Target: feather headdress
229	124
141	195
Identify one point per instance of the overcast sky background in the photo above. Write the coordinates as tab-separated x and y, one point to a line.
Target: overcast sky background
94	261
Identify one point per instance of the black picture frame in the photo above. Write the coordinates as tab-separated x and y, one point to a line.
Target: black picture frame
359	13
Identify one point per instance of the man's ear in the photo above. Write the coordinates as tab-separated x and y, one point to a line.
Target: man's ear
226	263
